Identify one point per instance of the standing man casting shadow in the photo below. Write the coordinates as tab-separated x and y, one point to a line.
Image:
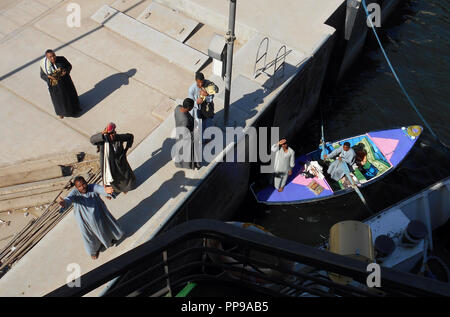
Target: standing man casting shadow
116	171
202	92
187	148
97	225
55	70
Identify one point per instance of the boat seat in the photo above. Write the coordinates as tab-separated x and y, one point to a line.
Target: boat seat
372	157
359	175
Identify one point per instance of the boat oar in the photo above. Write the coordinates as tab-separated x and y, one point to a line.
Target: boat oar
355	187
324	152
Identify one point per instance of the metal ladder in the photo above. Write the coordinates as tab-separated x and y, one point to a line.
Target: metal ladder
281	55
282	66
259	71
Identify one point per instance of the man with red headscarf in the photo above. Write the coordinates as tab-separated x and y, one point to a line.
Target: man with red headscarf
116	171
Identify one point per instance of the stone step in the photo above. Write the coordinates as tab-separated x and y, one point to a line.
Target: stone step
159	43
168	21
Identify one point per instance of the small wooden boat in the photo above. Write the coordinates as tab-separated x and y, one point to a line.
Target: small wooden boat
384	151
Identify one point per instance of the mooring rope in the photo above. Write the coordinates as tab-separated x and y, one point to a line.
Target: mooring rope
395	74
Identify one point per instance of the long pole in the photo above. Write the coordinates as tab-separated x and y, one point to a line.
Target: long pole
323	135
355	187
230	38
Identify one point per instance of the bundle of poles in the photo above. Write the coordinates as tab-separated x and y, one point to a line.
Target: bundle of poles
36	229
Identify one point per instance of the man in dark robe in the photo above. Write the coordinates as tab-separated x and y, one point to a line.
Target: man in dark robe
55	70
183	151
116	170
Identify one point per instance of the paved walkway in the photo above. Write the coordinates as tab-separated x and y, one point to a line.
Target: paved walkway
116	80
122	82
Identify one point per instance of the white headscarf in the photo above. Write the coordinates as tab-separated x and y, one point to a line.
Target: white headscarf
47	67
107	175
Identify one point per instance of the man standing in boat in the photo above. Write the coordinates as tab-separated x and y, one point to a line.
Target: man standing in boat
346	155
284	163
55	71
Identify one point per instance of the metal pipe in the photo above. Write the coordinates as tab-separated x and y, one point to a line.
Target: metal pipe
230	38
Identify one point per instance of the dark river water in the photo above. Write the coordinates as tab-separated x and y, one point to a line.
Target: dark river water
416	39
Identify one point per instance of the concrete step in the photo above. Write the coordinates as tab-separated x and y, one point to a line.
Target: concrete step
51	171
33	194
214	14
28	201
245	58
168	21
300	23
246	97
29	193
31	188
125	5
62	159
245	94
161	44
32	176
166	108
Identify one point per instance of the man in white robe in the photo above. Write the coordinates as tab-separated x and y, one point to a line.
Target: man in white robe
203	110
345	155
284	163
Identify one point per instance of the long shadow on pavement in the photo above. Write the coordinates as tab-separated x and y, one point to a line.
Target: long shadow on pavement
133	220
158	159
103	89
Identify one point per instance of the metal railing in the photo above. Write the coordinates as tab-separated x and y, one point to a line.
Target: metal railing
259	71
280	57
282	66
209	250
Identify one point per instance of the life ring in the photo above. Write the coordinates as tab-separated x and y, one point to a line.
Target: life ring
414	130
222	259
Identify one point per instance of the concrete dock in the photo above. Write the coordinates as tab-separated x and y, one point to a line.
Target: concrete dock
120	79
